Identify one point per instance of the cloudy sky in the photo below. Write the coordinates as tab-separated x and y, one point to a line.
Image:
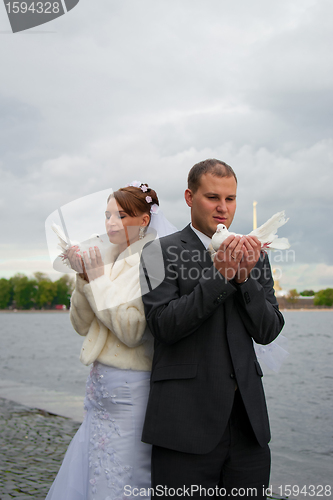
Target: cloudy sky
120	90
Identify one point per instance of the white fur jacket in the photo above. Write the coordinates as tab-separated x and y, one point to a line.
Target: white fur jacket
109	312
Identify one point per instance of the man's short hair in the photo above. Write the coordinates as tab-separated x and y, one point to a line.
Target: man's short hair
211	166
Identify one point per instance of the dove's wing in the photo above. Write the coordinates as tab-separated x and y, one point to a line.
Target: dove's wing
63	242
270	227
266	233
278	244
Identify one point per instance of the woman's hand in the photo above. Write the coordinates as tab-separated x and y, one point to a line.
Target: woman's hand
74	259
93	264
76	262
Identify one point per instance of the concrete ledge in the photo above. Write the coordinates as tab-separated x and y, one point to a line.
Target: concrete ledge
58	403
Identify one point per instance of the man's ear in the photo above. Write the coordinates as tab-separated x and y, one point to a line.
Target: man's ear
188	197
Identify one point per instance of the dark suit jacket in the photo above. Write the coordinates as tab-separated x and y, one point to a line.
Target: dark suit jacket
203	327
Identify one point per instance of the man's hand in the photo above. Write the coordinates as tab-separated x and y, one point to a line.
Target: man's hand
229	255
251	253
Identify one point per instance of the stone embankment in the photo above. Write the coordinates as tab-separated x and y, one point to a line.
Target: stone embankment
33	443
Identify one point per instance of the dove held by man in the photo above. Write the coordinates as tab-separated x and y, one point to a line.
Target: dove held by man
266	234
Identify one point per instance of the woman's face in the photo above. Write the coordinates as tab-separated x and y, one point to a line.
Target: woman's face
122	229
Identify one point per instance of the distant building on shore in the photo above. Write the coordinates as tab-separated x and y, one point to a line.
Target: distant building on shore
279	292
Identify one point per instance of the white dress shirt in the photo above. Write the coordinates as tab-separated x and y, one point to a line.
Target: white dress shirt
206	241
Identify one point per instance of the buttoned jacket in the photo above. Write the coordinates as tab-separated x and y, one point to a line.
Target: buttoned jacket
203	327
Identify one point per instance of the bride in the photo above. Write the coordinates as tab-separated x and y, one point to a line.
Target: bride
106	459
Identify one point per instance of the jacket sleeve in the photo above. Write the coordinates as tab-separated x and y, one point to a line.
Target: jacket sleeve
171	315
118	305
257	304
81	314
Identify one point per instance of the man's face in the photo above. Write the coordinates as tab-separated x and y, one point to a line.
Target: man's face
213	203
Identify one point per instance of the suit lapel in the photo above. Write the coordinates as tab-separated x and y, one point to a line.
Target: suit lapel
193	244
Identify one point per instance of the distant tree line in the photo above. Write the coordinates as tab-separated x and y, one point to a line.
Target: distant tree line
324	297
39	292
321	298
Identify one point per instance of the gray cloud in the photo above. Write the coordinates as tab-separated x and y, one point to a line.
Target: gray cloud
143	90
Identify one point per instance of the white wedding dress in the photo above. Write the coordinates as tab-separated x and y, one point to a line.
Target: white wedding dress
106	459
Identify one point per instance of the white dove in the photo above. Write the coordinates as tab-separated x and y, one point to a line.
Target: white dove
266	234
65	243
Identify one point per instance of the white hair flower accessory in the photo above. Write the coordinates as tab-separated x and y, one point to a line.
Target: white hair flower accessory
154	209
136	184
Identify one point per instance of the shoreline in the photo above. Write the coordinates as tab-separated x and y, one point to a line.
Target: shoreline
307	309
61	311
60	403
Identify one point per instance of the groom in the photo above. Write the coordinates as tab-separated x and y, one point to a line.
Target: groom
206	416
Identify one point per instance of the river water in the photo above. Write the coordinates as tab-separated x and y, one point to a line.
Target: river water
42	349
